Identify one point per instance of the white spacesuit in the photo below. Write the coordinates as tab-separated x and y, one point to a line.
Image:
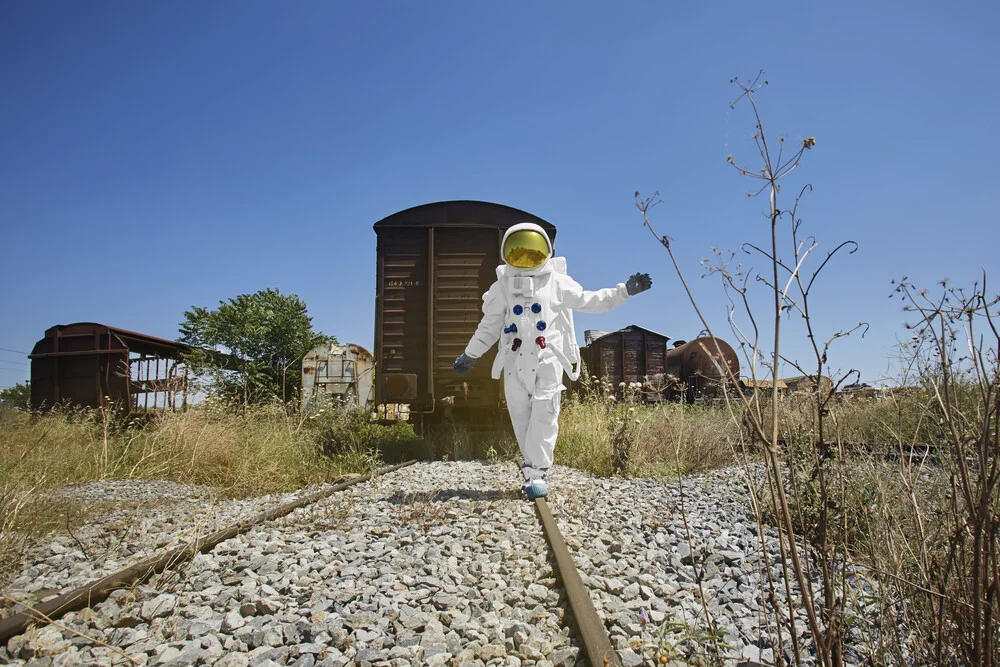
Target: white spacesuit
529	310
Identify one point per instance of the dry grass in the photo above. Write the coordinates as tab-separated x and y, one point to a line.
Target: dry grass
896	515
585	437
645	440
258	452
902	518
457	441
265	450
685	439
897	518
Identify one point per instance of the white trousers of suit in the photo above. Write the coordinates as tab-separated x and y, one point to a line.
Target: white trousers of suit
536	425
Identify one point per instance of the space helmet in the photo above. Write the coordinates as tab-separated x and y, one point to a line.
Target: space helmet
526	246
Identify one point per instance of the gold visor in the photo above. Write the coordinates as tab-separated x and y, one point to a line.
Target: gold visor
526	249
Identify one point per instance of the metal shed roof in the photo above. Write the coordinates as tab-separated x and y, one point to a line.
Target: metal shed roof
136	342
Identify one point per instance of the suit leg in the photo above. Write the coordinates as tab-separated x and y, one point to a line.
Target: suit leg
519	409
540	439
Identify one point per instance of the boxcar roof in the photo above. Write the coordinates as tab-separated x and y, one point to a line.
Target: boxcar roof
462	213
628	329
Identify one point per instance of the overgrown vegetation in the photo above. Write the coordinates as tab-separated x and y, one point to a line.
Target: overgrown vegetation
898	500
262	450
609	432
17	397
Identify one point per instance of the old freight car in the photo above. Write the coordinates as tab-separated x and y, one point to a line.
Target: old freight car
88	363
629	355
705	366
434	263
695	369
339	375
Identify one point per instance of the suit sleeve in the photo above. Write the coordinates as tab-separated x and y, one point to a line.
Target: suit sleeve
575	297
490	327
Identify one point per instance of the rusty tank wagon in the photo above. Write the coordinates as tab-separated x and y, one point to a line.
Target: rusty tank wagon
705	367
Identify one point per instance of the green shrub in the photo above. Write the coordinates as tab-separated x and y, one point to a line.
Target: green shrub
354	433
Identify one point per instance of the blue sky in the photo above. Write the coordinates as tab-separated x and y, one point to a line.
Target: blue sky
156	156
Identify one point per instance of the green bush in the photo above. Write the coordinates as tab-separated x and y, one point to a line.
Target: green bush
339	433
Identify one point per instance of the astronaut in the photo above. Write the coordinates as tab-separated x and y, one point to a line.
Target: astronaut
529	310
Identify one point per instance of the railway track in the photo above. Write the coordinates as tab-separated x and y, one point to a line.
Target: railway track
594	637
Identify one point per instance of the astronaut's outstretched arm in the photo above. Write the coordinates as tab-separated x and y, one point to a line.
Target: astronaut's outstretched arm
575	297
602	300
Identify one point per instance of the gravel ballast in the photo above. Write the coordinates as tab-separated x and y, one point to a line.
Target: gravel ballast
440	563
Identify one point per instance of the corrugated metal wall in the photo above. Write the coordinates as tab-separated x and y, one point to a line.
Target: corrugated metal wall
465	259
641	353
403	270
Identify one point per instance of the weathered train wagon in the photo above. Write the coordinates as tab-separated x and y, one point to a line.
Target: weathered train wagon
700	368
435	262
337	374
629	355
705	366
88	363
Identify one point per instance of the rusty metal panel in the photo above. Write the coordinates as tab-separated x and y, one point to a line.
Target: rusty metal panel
79	364
610	367
464	260
629	355
656	352
401	303
634	348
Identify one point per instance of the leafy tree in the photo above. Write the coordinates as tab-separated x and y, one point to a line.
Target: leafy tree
251	346
17	396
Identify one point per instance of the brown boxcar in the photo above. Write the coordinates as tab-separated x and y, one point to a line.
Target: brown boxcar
435	262
628	355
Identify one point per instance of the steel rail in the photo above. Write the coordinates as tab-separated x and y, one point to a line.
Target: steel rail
99	590
596	641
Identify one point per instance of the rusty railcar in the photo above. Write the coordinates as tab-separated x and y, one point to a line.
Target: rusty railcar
705	366
689	370
88	364
435	262
629	355
337	374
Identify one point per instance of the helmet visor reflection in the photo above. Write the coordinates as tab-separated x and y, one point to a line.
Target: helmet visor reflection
526	249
